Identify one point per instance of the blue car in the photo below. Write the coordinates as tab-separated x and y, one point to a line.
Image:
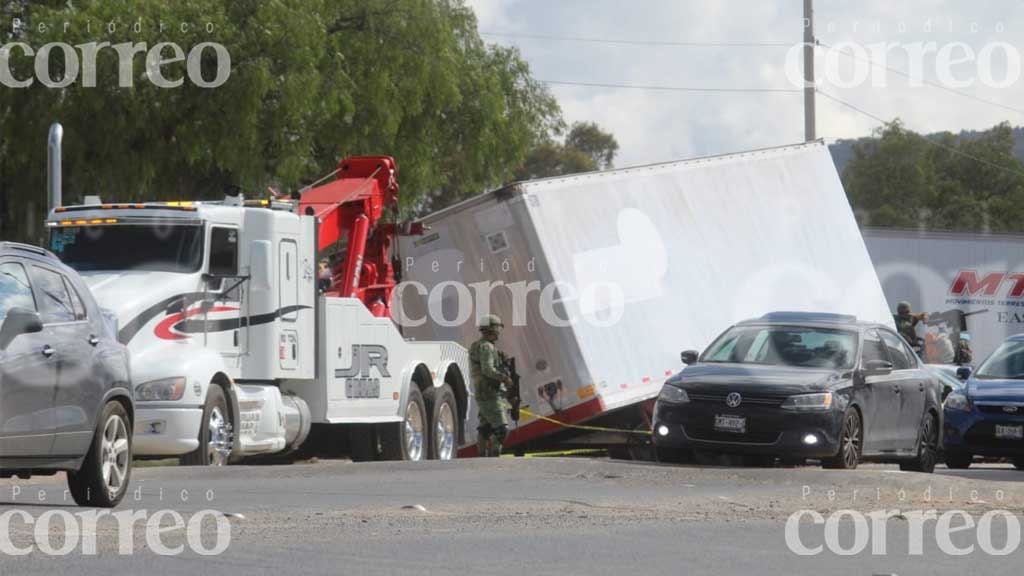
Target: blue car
986	416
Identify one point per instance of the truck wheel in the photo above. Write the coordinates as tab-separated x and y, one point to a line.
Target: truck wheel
444	422
1018	462
103	478
215	432
362	443
927	448
407	440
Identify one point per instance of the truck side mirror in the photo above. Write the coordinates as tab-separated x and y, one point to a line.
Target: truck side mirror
260	265
19	321
689	357
963	372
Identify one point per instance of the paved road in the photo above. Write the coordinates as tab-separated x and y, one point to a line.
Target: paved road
518	516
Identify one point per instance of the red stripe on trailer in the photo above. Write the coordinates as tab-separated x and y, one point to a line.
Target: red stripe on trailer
538	428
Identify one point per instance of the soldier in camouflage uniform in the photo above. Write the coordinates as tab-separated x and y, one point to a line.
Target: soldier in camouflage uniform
490	380
906	323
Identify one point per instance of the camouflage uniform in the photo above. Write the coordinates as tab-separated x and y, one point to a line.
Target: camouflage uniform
487	371
906	323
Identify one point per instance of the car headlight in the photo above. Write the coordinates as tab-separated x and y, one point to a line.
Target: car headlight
820	401
163	389
673	395
957	401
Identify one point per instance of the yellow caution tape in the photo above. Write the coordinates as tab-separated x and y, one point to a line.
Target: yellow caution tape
557	453
527	413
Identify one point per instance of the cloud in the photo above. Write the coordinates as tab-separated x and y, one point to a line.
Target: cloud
656	126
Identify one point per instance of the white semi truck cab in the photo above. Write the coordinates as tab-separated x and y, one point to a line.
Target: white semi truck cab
241	344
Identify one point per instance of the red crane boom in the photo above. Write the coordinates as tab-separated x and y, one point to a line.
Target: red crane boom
351	207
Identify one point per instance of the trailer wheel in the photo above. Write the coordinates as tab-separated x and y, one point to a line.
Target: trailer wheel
407	440
362	443
444	422
215	432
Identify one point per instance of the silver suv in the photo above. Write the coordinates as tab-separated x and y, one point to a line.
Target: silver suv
65	393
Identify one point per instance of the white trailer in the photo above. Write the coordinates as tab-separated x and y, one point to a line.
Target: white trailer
978	274
602	279
240	345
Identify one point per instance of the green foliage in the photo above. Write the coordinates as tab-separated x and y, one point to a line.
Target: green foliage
312	81
901	179
586	148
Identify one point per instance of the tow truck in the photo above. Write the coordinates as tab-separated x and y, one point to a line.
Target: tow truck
241	347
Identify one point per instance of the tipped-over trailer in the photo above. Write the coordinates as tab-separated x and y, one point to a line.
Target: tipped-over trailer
602	279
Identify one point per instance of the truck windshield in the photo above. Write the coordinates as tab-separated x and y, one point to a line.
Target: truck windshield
785	346
1006	363
164	248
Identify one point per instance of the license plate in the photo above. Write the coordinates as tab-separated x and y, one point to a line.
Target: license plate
1010	432
735	424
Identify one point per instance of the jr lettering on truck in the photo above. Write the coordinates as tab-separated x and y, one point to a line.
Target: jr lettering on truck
359	383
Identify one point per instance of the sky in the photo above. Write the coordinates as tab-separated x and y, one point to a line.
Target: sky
972	49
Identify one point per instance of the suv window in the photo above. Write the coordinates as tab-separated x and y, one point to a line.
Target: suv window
897	351
55	304
76	300
873	347
15	290
224	252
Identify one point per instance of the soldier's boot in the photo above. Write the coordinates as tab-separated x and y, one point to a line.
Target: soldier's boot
498	439
483	441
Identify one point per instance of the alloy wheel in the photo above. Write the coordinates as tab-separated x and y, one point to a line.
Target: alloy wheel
114	454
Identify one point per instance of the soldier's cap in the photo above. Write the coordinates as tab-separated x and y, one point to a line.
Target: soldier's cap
903	305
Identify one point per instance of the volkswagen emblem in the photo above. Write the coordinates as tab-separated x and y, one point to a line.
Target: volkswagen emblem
733	400
1010	409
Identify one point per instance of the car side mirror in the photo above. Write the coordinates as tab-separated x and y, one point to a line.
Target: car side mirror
19	321
963	372
689	357
877	367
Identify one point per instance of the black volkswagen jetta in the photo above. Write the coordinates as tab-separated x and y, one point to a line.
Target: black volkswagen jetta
800	386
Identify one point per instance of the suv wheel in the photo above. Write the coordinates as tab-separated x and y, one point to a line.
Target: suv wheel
850	441
103	478
927	447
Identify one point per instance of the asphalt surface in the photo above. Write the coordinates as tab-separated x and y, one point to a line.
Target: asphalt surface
512	516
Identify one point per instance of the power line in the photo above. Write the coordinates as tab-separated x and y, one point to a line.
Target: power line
906	75
672	88
639	42
931	141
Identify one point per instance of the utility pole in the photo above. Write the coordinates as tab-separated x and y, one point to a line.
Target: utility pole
810	130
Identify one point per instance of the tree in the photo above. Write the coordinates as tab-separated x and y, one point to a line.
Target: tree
589	139
312	81
586	148
946	182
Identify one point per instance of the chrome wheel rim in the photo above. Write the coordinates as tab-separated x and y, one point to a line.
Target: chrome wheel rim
414	432
851	442
219	444
445	432
115	454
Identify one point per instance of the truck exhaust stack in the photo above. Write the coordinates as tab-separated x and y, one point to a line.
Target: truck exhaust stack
53	166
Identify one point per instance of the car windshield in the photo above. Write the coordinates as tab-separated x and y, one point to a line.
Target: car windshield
1007	362
177	248
785	346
